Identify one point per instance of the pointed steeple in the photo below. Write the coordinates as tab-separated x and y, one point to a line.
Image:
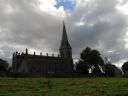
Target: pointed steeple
64	42
64	36
65	48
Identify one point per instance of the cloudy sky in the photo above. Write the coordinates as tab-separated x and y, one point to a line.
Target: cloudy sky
37	25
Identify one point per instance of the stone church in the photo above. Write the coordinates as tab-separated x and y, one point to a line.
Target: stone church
32	63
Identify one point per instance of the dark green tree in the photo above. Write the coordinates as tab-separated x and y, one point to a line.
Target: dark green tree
82	67
97	71
111	70
125	67
3	66
91	59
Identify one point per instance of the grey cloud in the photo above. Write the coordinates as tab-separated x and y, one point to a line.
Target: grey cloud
105	29
27	26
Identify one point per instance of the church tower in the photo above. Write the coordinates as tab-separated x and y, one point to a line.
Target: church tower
65	48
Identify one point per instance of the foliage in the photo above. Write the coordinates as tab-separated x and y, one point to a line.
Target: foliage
90	59
82	67
111	70
3	66
125	67
97	71
63	87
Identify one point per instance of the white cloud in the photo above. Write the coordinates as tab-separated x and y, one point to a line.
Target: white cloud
123	7
103	27
49	6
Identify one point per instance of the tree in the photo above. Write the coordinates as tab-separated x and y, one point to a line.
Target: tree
111	70
91	59
97	71
82	67
3	66
125	67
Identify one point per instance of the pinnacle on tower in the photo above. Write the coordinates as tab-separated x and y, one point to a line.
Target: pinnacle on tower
26	51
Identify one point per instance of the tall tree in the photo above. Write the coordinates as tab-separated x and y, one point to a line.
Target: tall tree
92	60
3	66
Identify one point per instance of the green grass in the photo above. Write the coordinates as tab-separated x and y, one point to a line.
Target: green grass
63	87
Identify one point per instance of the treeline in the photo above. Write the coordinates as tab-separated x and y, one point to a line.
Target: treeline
4	66
91	62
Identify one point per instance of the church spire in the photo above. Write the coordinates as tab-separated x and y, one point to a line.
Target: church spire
64	42
65	48
64	36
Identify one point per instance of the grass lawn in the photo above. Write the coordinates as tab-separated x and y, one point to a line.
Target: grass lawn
63	86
